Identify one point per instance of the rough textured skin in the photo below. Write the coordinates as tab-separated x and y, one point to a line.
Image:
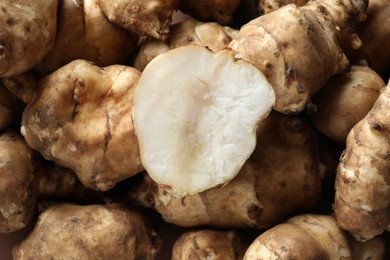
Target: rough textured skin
212	35
80	118
10	108
18	186
301	237
375	34
87	35
208	244
362	199
298	49
281	178
219	11
150	17
28	30
67	231
344	100
267	6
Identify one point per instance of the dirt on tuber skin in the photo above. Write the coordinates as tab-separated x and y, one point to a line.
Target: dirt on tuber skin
362	199
110	231
79	118
268	6
344	100
26	179
209	244
28	31
280	179
211	35
271	43
311	236
23	86
19	166
149	18
87	35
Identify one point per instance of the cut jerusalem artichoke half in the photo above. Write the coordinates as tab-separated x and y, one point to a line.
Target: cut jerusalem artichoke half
196	127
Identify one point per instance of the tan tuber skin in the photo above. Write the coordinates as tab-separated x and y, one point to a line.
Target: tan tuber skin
311	236
211	35
373	249
297	69
268	6
220	11
90	232
362	199
28	31
26	179
209	244
87	35
80	118
23	86
149	18
281	178
344	100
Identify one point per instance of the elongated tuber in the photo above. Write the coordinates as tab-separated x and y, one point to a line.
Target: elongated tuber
362	199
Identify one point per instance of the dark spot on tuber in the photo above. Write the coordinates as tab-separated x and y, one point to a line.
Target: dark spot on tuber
2	52
254	211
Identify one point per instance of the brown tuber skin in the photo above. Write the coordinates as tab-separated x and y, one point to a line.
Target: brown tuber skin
271	43
28	31
208	244
26	179
149	18
90	232
308	236
80	118
220	11
19	166
87	35
23	86
281	178
211	35
362	199
344	100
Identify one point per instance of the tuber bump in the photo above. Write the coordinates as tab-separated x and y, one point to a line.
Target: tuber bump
80	117
362	199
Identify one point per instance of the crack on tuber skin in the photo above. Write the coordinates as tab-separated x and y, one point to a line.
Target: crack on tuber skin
107	135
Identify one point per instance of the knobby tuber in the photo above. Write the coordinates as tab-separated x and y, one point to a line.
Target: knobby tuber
362	199
299	48
80	117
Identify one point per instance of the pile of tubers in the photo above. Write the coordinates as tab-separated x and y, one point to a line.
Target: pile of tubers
175	129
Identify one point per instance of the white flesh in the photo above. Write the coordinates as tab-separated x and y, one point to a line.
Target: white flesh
195	113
